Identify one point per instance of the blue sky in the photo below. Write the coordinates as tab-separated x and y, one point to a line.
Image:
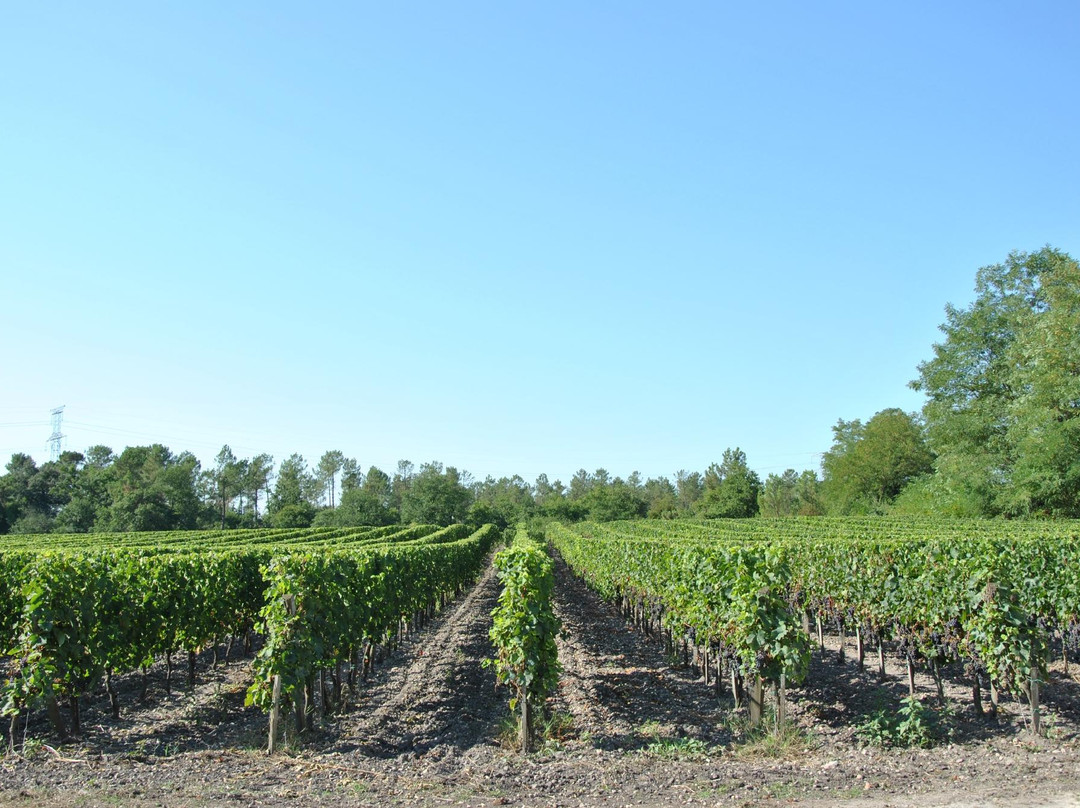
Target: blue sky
515	238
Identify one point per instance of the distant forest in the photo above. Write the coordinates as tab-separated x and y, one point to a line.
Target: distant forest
998	436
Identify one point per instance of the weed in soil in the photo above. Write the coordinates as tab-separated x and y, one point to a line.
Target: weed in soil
911	725
769	740
677	748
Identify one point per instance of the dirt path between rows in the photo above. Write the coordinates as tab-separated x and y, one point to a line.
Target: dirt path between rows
631	728
439	698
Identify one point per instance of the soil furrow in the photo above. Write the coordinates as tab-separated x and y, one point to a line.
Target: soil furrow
442	695
619	686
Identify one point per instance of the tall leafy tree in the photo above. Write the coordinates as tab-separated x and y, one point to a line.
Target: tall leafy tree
369	503
614	500
661	498
778	495
89	494
25	498
401	482
870	464
731	488
1003	404
790	494
503	502
689	486
436	496
257	479
1044	427
379	484
352	476
553	500
326	472
808	494
292	502
580	484
226	480
150	488
544	490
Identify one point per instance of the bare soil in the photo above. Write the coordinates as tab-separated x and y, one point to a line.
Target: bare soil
632	727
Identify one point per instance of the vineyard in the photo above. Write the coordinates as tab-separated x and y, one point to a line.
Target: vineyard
740	596
74	614
783	622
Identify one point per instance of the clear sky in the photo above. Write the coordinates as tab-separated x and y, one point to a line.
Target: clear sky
512	237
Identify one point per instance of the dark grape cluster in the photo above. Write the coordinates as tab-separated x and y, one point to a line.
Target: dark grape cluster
761	661
907	644
1070	640
946	642
871	636
973	667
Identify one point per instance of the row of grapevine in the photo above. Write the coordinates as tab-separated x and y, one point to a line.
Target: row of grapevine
183	540
993	602
324	613
728	600
93	615
16	557
524	628
71	618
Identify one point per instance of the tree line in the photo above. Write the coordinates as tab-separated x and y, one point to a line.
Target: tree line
999	435
151	488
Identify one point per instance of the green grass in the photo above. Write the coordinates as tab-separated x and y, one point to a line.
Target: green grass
768	740
678	748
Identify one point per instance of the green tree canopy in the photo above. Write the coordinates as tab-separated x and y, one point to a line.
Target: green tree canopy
1003	390
366	503
730	488
256	479
614	500
779	496
505	501
661	498
225	481
435	496
295	485
870	464
326	473
150	488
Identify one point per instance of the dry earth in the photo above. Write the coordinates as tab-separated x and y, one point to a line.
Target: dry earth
633	729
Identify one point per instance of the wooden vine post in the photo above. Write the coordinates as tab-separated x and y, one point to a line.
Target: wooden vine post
756	698
275	714
1036	719
781	702
1033	695
524	728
